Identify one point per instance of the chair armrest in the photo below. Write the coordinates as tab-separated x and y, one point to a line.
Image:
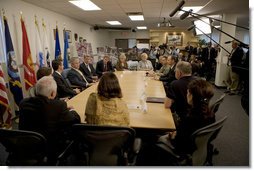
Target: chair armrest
132	156
137	145
67	151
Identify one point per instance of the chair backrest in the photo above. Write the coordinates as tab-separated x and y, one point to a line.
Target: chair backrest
215	106
202	138
105	145
25	148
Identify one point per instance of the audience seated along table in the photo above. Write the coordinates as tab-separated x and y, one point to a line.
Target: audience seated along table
134	84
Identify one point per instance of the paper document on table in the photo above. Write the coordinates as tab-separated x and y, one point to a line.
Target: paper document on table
134	106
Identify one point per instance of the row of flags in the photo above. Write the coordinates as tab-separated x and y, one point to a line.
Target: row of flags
42	59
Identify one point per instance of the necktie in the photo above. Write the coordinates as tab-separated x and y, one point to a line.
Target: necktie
87	65
105	68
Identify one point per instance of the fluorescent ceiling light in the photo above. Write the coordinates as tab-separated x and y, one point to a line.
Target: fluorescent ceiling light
141	27
114	22
217	26
194	8
86	5
136	17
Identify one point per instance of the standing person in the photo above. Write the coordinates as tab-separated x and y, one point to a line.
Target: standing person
88	70
234	61
106	107
75	76
189	49
121	64
63	88
175	50
208	56
176	95
103	66
145	64
199	94
48	116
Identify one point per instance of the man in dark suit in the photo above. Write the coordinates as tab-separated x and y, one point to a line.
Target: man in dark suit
176	98
170	76
48	116
63	88
75	76
104	66
189	49
88	70
234	62
208	57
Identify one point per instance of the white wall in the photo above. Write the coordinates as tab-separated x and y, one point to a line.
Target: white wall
12	12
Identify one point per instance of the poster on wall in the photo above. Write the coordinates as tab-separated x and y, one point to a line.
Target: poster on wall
174	38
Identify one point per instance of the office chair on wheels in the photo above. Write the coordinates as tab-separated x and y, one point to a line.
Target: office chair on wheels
25	148
202	138
95	145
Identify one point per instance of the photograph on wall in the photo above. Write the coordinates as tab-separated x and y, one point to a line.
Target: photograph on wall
174	38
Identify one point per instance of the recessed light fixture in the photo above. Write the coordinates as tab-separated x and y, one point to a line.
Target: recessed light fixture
136	16
141	27
194	8
114	22
86	5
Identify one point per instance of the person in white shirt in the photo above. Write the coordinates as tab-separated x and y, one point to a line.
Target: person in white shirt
144	64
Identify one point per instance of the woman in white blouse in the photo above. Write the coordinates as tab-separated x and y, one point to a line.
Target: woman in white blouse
144	64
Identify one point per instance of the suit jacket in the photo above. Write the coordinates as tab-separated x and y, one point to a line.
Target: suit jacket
83	68
236	59
169	77
63	88
46	116
51	118
100	67
76	79
205	53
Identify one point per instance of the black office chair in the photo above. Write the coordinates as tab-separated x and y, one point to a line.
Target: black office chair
215	106
202	138
102	146
25	148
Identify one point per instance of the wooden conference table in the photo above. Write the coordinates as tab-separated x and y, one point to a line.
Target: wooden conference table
134	84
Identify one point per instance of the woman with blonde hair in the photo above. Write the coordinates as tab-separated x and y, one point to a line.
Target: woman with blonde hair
121	63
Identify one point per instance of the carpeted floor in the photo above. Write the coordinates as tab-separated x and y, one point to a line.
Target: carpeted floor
233	140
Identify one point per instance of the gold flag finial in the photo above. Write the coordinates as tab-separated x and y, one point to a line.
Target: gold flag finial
21	15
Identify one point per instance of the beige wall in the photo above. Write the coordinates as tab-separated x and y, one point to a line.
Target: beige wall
158	37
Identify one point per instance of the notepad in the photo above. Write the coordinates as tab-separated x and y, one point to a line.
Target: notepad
155	100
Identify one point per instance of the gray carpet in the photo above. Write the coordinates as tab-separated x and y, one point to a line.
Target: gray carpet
233	140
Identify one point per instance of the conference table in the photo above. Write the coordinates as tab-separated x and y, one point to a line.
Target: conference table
135	86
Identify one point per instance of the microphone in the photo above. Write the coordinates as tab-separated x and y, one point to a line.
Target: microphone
185	14
227	42
191	27
177	8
